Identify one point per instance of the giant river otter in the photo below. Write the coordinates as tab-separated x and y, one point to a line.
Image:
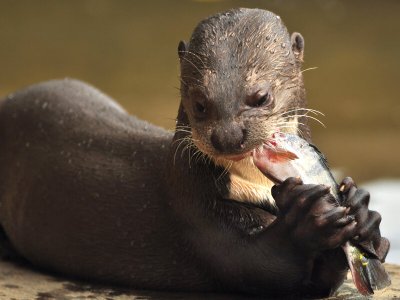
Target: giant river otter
90	191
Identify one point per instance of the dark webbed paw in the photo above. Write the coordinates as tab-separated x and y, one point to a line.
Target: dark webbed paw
314	220
367	231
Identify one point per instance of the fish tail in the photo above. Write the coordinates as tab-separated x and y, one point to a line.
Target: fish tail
368	274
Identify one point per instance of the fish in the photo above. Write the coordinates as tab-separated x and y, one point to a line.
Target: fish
286	155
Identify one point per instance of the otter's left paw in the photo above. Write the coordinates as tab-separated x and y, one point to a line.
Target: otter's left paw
368	235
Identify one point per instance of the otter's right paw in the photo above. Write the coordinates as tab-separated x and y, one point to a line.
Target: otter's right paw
310	215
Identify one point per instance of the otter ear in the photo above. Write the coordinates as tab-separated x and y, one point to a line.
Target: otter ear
298	45
182	48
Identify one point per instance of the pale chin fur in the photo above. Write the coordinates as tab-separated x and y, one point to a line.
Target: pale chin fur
247	183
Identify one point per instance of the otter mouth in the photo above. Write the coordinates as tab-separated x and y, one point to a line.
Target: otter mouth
250	153
238	157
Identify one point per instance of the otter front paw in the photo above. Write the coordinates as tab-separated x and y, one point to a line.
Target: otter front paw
311	216
367	230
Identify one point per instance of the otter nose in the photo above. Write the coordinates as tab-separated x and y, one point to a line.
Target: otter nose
228	137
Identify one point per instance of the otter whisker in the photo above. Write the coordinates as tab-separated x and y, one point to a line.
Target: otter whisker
195	84
280	127
183	82
189	61
308	69
189	146
179	127
195	155
196	56
183	130
292	87
312	118
302	110
225	171
198	155
181	141
183	126
188	140
201	155
191	77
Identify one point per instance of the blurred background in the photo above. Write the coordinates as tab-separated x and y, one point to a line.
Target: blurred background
128	49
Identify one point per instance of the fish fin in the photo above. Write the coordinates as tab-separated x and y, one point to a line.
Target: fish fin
281	156
383	249
368	274
368	248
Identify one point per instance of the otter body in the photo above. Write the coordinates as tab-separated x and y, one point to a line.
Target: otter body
89	191
82	185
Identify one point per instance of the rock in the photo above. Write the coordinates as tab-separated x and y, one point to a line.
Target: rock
20	282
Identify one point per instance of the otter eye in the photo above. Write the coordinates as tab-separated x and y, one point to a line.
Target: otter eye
200	110
260	100
264	100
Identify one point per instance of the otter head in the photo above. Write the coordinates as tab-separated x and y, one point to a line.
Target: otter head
240	82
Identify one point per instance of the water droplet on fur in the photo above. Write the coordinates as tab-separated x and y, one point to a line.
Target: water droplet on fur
268	38
272	51
283	45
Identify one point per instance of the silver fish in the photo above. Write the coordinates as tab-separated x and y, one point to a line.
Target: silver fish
287	155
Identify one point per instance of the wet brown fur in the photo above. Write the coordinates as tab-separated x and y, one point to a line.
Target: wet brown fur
89	191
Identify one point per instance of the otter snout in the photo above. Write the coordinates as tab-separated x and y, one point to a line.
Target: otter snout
228	138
